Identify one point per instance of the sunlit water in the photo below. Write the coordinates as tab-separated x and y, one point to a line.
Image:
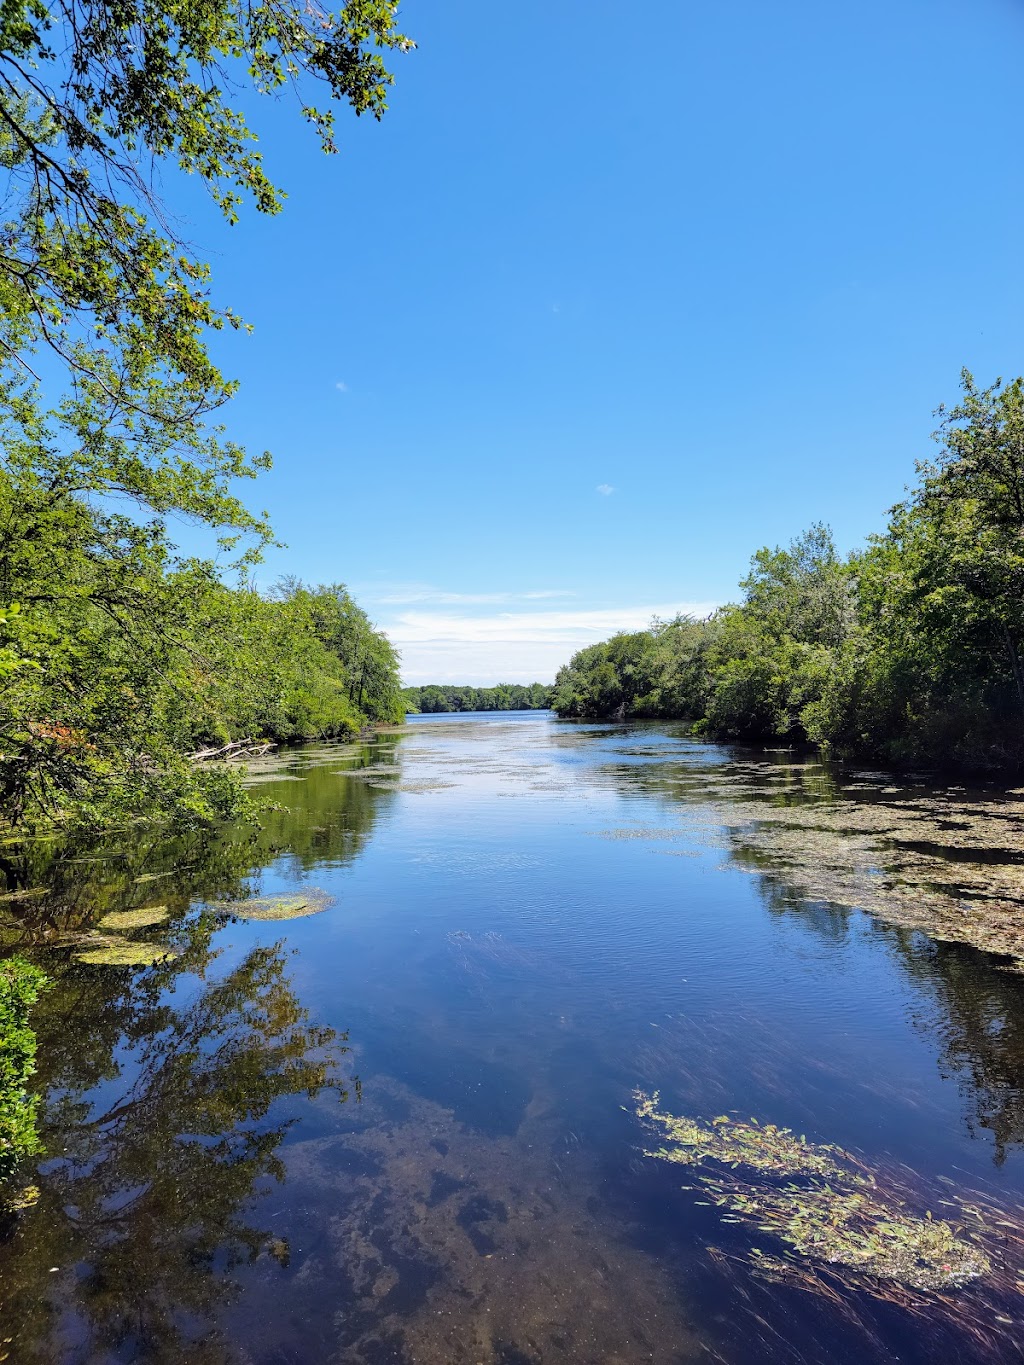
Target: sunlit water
401	1130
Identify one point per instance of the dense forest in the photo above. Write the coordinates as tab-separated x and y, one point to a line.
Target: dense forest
906	652
502	697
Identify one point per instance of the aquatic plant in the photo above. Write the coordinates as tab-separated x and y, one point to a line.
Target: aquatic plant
123	952
761	1147
290	905
142	918
832	1209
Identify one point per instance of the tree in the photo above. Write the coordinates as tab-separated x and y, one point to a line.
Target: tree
110	666
94	97
805	591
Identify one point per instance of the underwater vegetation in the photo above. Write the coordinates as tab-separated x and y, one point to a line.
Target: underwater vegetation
818	1201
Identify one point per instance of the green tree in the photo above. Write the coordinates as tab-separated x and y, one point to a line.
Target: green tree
20	984
115	654
93	97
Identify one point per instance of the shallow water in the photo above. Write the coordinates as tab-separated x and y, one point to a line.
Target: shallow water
402	1129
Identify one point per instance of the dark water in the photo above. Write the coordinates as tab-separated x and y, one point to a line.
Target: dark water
401	1130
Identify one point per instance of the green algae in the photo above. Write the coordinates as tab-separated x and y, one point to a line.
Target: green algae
142	918
817	1200
123	952
292	905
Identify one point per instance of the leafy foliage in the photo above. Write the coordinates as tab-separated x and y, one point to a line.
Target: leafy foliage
20	984
93	98
118	657
909	651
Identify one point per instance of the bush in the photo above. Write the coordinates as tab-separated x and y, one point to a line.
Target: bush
20	984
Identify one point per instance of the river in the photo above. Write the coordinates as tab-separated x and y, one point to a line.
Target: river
399	1122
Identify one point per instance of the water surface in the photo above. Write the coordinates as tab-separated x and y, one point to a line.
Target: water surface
402	1130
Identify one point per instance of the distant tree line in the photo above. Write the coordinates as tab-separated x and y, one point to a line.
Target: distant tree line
907	652
503	697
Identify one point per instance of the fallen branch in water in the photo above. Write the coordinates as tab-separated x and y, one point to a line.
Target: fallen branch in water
236	749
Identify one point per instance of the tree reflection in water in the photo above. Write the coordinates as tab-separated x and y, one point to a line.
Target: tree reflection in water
169	1097
975	1010
976	1015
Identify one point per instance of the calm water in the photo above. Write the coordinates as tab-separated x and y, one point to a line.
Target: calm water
401	1130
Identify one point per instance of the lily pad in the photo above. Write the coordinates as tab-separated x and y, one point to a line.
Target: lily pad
124	953
142	918
290	905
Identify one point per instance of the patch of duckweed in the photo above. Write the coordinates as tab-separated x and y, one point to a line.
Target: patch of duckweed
122	952
290	905
142	918
815	1199
376	771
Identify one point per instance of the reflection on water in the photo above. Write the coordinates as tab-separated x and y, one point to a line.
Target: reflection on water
529	920
163	1122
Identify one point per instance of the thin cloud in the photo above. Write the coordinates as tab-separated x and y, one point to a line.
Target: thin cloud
605	489
341	386
512	646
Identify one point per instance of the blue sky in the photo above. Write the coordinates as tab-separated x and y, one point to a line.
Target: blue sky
600	308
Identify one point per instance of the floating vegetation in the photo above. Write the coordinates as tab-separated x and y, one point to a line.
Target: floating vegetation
818	1201
760	1147
122	952
290	905
948	863
142	918
856	1229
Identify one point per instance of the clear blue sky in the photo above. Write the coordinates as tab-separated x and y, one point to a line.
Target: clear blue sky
724	260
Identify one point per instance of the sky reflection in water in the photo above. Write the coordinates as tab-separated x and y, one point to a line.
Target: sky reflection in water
400	1130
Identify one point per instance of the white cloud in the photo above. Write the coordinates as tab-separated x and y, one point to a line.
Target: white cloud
523	646
341	386
605	489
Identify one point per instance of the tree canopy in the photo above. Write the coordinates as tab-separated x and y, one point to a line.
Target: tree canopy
94	99
119	656
908	651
